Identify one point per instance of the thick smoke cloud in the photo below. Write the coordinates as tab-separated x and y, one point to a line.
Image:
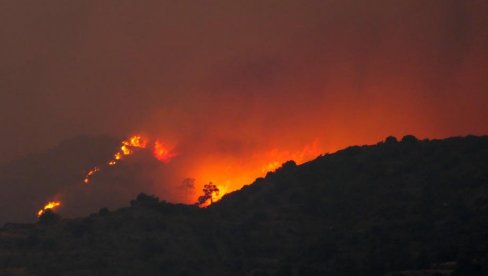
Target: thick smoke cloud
233	81
345	71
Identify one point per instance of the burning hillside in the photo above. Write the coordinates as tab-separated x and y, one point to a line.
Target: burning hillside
409	207
127	148
200	178
49	206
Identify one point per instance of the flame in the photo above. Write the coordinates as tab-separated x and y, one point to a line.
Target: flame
89	174
218	195
230	173
271	166
51	205
162	153
126	148
136	141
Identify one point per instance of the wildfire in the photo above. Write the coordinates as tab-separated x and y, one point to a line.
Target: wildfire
162	153
126	148
211	194
89	174
229	171
218	196
49	206
232	172
270	166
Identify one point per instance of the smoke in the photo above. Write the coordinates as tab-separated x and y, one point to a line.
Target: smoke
329	68
237	86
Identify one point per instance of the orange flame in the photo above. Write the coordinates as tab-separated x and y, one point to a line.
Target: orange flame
218	196
232	172
127	147
89	174
51	205
162	153
136	141
271	166
229	172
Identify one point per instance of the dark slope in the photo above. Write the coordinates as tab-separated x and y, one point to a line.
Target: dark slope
371	210
28	182
393	206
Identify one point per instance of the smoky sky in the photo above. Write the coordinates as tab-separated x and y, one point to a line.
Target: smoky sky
239	75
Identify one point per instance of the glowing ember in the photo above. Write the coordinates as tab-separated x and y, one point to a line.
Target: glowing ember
49	206
89	174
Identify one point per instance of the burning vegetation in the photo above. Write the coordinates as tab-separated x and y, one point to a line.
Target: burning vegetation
162	152
127	148
260	229
205	167
51	205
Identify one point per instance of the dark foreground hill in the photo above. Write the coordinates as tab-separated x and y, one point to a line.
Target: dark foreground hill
396	208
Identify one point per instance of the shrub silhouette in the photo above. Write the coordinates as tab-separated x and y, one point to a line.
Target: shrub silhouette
409	139
49	217
145	200
209	190
390	140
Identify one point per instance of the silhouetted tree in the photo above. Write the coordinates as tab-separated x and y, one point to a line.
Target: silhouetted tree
409	139
209	190
391	140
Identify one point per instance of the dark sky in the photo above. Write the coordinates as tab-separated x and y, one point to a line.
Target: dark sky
244	75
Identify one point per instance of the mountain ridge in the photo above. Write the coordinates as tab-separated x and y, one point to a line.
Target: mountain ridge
409	205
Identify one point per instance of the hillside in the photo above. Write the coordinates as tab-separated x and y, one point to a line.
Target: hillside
412	206
57	174
36	177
